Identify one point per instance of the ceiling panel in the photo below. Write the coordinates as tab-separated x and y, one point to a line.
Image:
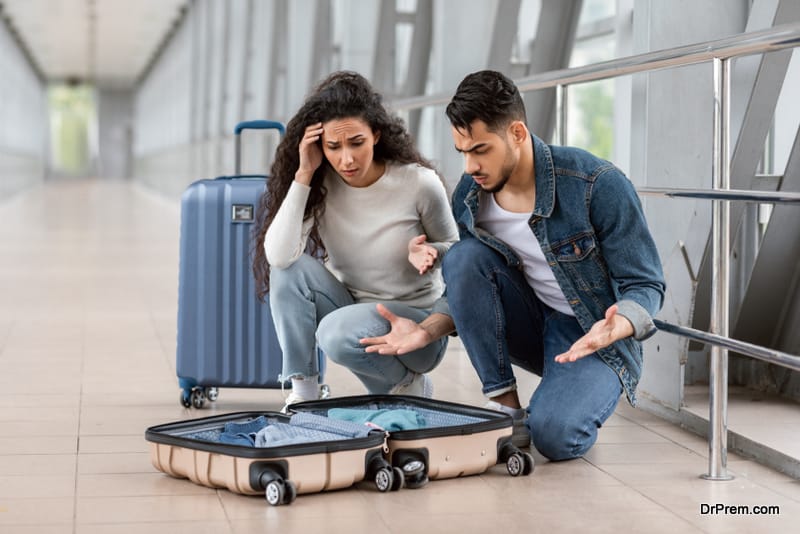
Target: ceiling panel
108	41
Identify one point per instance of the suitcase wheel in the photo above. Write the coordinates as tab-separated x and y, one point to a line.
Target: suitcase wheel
517	464
413	468
399	479
291	492
416	481
186	400
384	479
280	491
414	474
529	463
412	465
197	397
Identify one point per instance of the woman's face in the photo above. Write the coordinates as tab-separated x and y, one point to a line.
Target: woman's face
348	145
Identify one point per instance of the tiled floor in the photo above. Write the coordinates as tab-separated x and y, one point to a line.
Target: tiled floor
88	278
780	432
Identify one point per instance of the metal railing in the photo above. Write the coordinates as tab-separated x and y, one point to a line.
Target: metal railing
719	52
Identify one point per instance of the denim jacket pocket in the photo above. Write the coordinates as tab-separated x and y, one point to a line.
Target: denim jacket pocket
580	256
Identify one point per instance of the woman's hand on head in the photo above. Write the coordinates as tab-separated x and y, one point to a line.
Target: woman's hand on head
310	153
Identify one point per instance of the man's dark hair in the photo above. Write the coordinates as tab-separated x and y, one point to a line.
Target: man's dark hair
488	96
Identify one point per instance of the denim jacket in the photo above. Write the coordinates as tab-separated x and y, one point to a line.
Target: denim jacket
591	227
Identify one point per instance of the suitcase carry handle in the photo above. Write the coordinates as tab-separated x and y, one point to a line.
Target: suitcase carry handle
259	125
253	125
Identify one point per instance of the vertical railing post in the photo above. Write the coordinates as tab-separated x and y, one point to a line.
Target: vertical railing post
720	277
561	115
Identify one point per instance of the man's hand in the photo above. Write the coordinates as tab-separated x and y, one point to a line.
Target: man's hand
602	334
421	255
405	335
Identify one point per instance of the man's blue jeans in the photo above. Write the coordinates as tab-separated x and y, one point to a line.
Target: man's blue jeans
500	320
310	306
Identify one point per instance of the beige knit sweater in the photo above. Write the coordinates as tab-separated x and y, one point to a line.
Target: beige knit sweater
366	231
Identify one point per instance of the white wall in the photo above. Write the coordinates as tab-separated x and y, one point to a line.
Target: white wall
23	119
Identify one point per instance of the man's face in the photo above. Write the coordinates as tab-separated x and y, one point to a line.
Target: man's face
488	157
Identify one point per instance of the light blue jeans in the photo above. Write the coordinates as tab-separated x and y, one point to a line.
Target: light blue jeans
501	321
311	307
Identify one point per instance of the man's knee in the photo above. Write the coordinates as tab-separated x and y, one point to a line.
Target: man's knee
464	258
561	438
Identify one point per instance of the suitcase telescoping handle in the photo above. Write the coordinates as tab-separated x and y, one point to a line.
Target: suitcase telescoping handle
252	125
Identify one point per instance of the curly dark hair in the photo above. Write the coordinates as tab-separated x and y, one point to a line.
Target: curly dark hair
343	94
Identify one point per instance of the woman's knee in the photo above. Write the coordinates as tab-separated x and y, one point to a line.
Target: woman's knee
339	333
287	280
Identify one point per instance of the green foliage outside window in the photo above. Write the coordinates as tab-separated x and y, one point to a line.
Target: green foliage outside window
71	116
595	103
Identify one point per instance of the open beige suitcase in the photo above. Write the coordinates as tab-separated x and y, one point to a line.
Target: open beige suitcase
457	439
195	449
446	440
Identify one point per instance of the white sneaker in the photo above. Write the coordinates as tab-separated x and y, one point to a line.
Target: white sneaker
294	398
521	435
419	386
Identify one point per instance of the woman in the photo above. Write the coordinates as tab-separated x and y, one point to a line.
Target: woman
349	188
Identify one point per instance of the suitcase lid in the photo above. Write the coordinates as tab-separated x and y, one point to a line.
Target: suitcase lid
446	418
187	434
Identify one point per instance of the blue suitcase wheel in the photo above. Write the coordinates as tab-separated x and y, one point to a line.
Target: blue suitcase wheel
198	399
186	400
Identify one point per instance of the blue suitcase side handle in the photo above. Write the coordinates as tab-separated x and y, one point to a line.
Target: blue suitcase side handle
259	125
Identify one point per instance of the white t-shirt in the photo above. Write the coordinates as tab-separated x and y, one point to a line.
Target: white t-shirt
513	229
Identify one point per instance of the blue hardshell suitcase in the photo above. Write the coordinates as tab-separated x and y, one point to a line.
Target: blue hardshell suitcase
226	337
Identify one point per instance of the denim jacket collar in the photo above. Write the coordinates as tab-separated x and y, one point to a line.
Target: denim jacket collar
545	177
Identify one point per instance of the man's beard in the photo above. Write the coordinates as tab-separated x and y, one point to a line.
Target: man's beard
505	173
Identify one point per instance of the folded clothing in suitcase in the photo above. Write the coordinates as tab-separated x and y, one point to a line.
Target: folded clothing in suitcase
449	440
273	454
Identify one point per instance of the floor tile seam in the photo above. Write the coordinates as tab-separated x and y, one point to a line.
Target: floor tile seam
221	501
646	497
775	489
679	444
80	418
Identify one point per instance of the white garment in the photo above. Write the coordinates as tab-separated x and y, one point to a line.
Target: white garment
513	229
366	231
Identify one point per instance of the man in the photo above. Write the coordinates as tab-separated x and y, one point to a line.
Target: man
556	271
